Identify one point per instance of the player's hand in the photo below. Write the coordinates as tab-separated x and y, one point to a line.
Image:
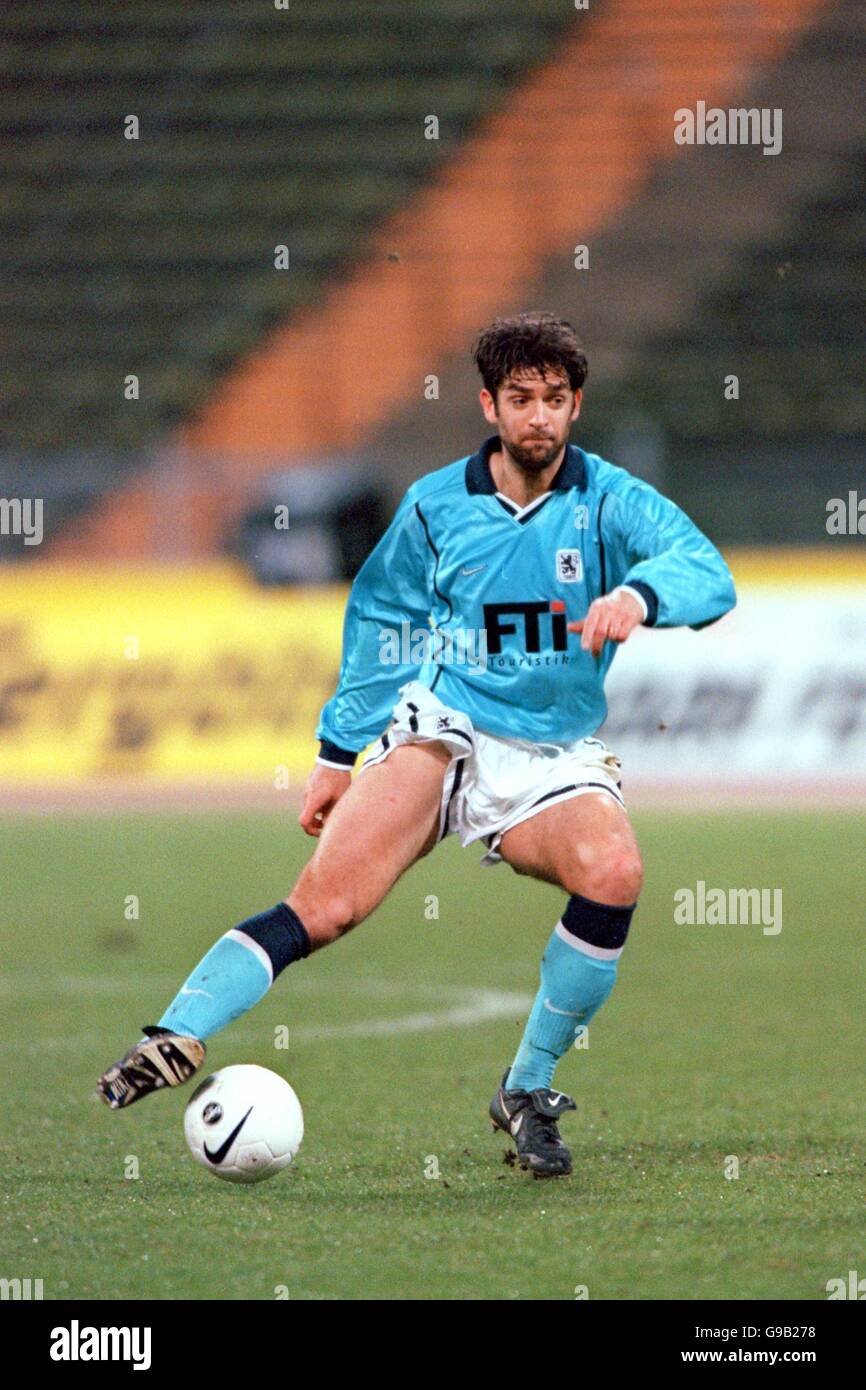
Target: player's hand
610	619
325	786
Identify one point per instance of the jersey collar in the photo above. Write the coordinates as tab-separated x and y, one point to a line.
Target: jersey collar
571	472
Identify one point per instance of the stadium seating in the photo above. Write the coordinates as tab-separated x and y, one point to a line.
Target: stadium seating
258	127
723	261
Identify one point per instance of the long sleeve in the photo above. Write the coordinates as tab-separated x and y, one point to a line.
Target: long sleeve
391	589
659	551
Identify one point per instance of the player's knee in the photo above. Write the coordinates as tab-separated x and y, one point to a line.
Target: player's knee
337	915
613	875
327	918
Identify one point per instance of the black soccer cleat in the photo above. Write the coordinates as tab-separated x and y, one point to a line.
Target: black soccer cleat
530	1117
162	1058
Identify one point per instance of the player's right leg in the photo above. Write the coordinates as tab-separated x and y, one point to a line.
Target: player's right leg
386	820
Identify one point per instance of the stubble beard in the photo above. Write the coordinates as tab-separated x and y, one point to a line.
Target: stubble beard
534	460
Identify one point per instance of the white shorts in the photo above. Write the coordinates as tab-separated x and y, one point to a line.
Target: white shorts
494	783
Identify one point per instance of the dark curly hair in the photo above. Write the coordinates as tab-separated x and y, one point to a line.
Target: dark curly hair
531	342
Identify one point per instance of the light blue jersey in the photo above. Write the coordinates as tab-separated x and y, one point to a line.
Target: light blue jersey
486	574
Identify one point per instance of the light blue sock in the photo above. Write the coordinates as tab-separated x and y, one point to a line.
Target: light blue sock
228	981
577	975
237	971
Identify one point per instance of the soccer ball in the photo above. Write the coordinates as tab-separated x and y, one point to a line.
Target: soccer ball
244	1123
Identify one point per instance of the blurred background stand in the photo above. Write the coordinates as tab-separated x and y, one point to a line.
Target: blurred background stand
314	524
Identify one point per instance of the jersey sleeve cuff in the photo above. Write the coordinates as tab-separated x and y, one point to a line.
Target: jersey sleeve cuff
647	597
331	755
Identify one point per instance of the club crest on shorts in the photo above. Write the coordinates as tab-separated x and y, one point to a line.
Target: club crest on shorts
569	566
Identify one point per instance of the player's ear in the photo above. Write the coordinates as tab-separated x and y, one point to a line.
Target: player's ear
578	397
488	405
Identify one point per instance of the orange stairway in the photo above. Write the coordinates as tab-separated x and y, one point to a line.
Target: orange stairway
570	149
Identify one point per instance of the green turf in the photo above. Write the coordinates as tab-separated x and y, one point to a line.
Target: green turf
717	1041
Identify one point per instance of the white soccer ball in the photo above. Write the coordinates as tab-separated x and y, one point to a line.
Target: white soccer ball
244	1123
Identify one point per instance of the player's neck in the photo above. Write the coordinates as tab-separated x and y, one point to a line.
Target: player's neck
516	483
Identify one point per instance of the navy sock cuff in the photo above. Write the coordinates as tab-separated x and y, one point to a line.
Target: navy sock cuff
596	923
281	935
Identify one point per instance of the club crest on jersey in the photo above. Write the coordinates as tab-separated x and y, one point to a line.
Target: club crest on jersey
569	566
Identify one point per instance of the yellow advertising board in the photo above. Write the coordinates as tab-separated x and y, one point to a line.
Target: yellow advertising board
161	673
166	674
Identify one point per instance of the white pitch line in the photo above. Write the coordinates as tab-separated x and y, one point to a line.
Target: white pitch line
480	1006
477	1006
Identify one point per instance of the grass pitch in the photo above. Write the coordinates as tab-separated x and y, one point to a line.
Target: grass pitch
718	1043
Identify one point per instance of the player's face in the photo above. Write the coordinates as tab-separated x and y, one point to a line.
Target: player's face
533	415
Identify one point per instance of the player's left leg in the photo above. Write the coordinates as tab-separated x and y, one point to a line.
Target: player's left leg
587	847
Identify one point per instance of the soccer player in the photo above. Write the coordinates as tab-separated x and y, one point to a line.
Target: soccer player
533	560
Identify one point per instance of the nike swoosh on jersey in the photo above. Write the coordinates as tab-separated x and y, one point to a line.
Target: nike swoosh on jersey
473	570
219	1154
